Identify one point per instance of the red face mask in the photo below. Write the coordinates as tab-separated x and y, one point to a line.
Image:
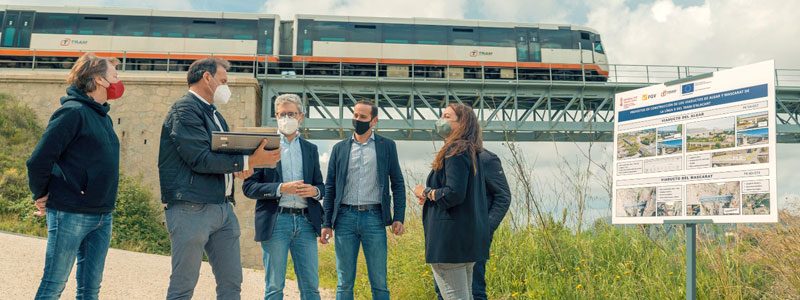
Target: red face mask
114	90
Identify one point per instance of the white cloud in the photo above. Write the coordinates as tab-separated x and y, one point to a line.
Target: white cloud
409	8
540	11
714	33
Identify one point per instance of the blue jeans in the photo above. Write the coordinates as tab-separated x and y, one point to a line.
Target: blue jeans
354	229
71	235
296	234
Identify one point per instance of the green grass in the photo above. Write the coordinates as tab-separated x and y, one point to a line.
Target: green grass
604	262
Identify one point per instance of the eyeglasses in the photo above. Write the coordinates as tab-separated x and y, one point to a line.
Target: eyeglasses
290	114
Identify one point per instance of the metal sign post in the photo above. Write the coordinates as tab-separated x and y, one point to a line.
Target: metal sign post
691	254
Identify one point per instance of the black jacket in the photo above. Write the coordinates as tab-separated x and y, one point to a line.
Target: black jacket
263	185
77	159
389	176
456	224
187	169
498	194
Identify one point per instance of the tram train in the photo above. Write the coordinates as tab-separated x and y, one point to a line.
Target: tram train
145	39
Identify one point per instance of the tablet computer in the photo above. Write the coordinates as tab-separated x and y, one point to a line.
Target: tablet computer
242	142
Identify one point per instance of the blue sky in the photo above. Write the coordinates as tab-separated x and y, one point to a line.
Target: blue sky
667	32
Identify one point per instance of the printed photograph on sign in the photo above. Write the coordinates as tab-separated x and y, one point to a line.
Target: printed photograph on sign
636	202
751	137
670	140
740	157
710	134
713	199
755	204
752	121
636	144
670	209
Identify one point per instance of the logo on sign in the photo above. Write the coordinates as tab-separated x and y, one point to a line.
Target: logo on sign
646	97
667	92
687	88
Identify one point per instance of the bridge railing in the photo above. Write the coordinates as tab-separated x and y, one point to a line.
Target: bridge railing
262	66
518	72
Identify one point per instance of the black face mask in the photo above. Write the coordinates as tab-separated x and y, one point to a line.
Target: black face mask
361	127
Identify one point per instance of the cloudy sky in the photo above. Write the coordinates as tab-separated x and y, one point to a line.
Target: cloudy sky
667	32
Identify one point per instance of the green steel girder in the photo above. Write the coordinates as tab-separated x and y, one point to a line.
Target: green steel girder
508	110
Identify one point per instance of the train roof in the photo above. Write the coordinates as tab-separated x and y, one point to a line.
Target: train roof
138	12
255	16
441	21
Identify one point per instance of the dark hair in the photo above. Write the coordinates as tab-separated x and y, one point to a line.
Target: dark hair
86	68
201	66
371	104
465	138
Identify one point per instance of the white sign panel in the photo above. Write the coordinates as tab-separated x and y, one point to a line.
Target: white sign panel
698	150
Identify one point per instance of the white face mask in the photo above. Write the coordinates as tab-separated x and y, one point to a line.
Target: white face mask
222	94
288	125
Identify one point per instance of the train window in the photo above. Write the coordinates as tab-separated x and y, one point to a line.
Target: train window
131	26
54	23
366	33
331	31
556	39
203	29
463	37
497	37
94	25
430	35
598	45
398	33
241	30
167	27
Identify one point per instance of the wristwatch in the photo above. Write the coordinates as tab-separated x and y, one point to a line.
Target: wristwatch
426	192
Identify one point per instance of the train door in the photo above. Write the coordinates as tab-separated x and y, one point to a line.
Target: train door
585	45
528	47
522	45
16	29
266	33
534	46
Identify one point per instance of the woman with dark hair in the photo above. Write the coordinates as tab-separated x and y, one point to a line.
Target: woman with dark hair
454	213
73	174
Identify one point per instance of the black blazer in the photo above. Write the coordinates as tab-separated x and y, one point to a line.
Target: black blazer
389	175
498	194
263	186
187	168
456	224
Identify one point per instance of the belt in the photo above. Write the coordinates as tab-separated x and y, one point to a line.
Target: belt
181	202
293	211
363	207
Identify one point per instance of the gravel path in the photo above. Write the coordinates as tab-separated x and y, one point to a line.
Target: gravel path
127	275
